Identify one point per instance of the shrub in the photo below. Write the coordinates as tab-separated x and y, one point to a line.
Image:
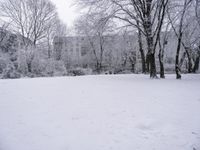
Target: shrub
22	63
55	68
38	66
3	64
79	71
10	72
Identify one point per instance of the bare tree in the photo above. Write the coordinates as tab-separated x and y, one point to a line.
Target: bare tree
55	29
179	17
95	28
148	14
163	41
30	18
142	53
197	56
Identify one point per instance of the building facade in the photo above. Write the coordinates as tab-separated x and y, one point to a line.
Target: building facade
119	52
82	51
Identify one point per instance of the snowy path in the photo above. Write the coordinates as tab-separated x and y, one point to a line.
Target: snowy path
125	112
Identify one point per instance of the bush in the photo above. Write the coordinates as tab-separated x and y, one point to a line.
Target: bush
3	64
10	72
79	71
55	68
169	68
22	62
38	66
7	68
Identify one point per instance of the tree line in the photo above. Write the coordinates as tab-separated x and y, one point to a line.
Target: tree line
153	21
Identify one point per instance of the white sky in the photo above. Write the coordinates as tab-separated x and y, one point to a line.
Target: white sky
66	10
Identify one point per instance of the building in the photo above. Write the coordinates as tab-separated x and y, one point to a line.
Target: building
78	51
68	46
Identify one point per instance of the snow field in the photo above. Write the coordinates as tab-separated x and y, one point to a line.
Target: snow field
123	112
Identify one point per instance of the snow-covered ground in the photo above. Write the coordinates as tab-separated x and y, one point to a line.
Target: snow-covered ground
124	112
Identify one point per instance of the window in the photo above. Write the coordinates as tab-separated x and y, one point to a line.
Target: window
83	51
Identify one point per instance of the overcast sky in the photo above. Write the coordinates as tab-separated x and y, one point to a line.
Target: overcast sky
67	11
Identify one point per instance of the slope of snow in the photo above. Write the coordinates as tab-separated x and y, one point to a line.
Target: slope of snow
125	112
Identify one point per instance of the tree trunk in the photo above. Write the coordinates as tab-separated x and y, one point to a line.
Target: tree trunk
147	63
98	67
149	38
143	61
196	64
180	35
161	56
177	66
29	67
141	49
152	66
49	51
49	46
34	42
133	68
162	70
189	60
182	60
151	56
